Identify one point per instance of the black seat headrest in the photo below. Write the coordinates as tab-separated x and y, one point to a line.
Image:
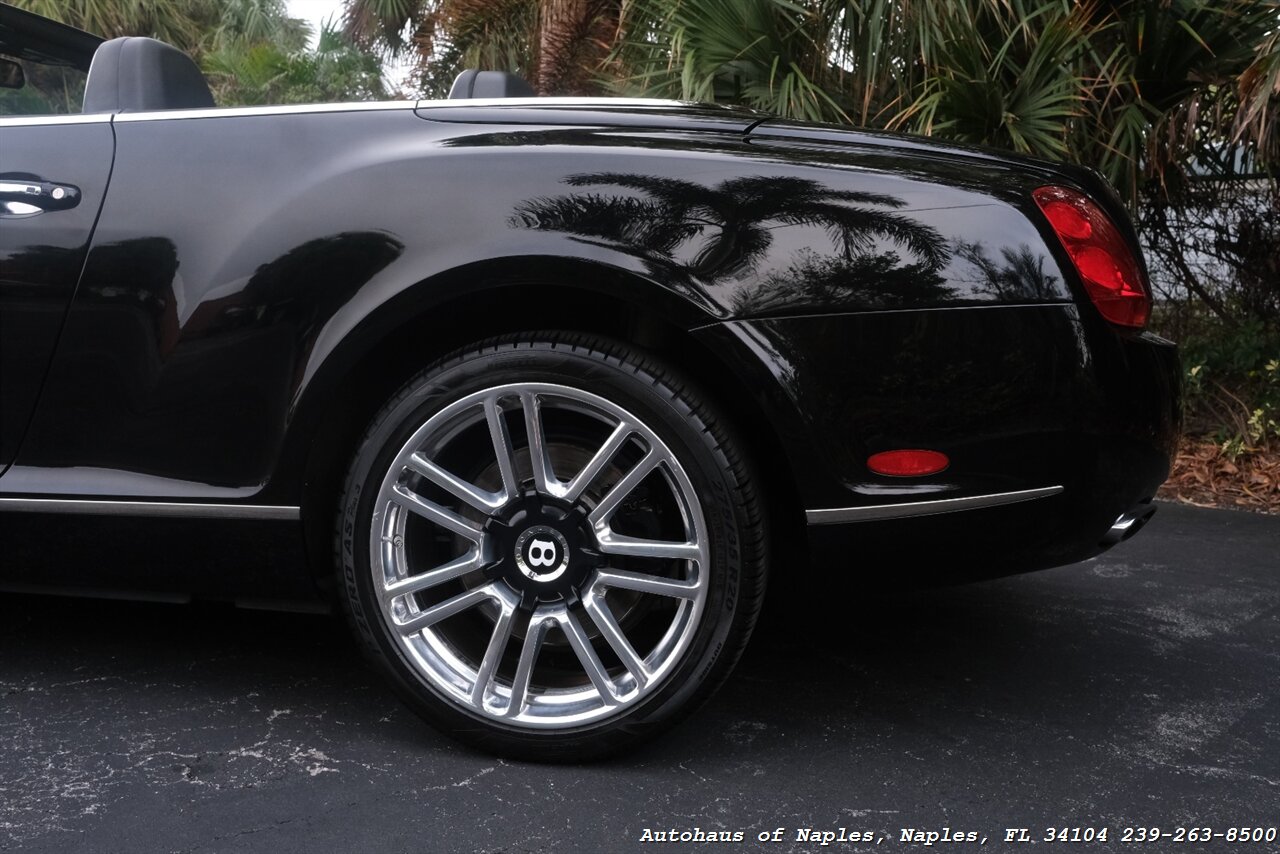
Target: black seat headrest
474	83
134	73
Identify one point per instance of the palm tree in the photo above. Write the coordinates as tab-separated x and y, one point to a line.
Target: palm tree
241	71
1001	75
193	26
775	55
1258	120
252	51
558	45
574	39
1169	75
182	24
1138	88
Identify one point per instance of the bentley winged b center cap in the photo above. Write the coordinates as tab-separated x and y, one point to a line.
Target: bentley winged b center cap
542	553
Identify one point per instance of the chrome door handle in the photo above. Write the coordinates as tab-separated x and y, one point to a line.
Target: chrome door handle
18	196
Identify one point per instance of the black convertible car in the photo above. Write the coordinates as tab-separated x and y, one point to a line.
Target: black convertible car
536	390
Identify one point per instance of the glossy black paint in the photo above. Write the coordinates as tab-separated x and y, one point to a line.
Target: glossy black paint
41	257
258	281
1016	397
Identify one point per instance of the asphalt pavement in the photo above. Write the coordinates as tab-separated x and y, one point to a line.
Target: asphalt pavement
1138	689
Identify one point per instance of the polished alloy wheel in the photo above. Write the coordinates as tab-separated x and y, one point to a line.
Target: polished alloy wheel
540	555
551	546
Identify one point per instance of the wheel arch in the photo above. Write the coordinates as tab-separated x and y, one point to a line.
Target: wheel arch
344	395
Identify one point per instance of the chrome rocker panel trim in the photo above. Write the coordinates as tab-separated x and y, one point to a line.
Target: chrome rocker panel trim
837	515
96	507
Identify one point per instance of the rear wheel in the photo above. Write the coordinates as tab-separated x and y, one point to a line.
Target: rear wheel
551	546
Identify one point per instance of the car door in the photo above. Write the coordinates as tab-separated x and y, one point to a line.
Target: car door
53	178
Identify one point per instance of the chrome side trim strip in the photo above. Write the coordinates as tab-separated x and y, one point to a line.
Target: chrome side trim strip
558	101
107	507
346	107
71	119
283	109
835	515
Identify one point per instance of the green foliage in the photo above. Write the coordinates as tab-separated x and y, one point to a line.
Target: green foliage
1168	74
1140	89
183	23
768	54
1137	88
194	26
442	37
1259	87
251	50
258	21
49	89
1232	383
1004	76
244	72
489	34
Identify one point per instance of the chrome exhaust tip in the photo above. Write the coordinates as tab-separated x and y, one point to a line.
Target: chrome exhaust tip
1129	523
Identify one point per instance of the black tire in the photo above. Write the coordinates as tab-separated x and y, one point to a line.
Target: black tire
700	441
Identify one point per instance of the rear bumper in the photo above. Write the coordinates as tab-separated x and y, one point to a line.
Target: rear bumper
1068	421
968	545
1110	466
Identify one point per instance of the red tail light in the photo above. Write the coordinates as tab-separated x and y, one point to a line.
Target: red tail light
1101	256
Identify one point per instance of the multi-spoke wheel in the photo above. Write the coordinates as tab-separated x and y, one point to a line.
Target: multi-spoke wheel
551	546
